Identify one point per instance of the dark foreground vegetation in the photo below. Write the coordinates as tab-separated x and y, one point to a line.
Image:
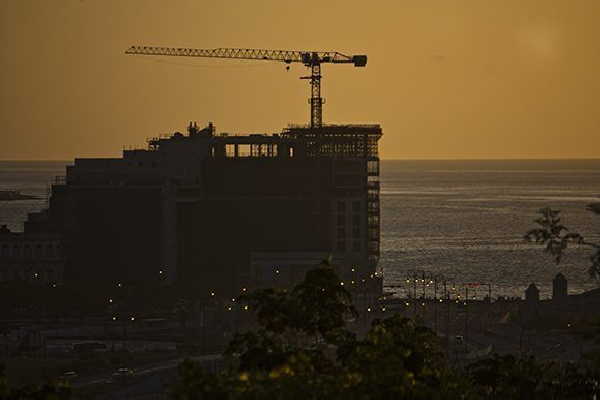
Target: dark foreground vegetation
301	348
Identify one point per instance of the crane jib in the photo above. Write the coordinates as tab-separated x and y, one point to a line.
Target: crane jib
311	59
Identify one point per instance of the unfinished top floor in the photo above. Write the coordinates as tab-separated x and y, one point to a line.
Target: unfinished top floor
296	141
179	156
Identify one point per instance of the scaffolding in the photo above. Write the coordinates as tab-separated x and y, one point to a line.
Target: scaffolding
337	141
348	142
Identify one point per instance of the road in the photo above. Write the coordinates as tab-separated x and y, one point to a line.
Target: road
147	381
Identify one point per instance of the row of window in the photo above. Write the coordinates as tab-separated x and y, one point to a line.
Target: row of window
341	232
355	228
29	250
341	245
42	275
373	167
341	207
152	164
341	220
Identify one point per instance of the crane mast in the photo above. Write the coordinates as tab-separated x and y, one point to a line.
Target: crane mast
311	59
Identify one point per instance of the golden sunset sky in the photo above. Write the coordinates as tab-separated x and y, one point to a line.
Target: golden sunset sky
446	79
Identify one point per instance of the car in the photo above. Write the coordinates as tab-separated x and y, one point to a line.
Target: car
69	375
123	374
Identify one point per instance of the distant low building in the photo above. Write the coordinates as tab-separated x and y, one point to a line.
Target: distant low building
532	294
559	287
32	257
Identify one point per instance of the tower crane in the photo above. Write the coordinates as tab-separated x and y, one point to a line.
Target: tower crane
311	59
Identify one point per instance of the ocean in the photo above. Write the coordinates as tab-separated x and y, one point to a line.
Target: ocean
464	220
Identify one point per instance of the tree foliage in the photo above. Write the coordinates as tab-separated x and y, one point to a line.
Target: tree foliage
47	391
552	233
556	237
302	350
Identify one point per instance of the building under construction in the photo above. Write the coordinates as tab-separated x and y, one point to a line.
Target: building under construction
220	213
223	213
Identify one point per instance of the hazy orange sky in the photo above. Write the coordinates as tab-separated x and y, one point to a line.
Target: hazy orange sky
445	78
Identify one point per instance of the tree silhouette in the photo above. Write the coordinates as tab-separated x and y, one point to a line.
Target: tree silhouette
302	350
47	391
557	237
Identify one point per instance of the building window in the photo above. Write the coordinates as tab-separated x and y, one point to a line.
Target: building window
373	220
341	232
356	231
373	167
356	220
356	245
341	207
356	206
341	220
341	245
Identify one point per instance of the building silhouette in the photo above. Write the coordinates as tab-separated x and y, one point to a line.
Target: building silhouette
532	294
222	213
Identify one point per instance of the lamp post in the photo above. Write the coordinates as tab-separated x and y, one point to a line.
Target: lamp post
466	316
448	341
435	306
